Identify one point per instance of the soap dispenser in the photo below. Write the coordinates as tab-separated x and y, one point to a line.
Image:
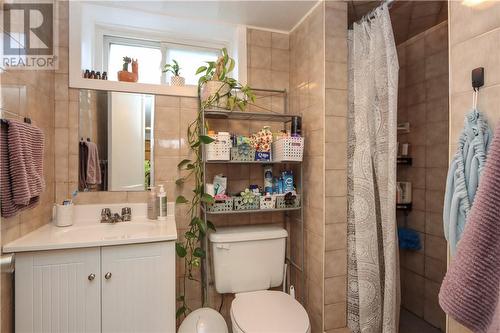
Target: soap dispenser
162	204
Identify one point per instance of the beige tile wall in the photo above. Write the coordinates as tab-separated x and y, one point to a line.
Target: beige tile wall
474	38
268	68
307	99
29	94
335	166
423	101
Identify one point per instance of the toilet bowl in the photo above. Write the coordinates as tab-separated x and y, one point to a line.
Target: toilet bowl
268	311
248	261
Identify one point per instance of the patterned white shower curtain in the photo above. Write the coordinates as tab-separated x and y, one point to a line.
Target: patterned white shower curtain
373	263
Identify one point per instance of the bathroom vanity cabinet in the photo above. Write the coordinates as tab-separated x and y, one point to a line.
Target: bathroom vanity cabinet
123	288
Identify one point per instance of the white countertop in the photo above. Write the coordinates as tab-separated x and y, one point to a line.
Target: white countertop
87	231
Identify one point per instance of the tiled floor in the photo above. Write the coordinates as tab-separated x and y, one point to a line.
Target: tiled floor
409	323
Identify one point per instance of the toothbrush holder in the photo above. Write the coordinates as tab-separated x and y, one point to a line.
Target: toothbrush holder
63	215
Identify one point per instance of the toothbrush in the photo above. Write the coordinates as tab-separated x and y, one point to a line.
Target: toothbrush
73	196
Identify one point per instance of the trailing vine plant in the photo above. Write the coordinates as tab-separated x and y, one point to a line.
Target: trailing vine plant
189	249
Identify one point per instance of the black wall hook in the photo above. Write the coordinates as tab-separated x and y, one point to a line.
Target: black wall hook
477	78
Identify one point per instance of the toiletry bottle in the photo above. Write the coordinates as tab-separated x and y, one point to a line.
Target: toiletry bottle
98	75
104	76
162	204
296	126
287	181
152	208
86	75
268	179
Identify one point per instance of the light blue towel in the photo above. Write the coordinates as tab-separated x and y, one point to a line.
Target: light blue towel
463	175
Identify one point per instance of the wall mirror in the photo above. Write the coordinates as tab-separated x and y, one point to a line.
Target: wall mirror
116	141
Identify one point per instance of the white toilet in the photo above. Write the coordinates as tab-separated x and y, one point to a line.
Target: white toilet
247	261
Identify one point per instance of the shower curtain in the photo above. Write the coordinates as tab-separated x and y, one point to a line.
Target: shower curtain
373	263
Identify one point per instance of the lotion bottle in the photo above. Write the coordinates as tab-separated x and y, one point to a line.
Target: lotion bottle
152	207
162	204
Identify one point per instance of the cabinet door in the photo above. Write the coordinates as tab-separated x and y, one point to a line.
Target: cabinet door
55	291
138	288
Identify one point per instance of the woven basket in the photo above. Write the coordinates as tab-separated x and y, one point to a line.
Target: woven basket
221	206
236	155
280	202
239	205
219	150
288	149
267	201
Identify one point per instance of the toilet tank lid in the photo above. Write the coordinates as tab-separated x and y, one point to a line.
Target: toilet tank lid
247	233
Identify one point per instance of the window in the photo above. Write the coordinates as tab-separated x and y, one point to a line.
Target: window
189	59
152	56
148	54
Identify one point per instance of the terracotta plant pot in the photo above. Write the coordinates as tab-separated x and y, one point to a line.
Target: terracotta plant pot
177	81
210	88
127	76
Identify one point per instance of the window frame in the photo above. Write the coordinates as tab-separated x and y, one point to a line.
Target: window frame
163	46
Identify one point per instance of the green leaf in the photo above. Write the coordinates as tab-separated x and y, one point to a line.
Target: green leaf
195	220
206	139
180	250
201	69
231	65
179	181
190	166
181	200
199	253
180	298
189	235
207	198
202	226
180	311
211	226
183	163
196	144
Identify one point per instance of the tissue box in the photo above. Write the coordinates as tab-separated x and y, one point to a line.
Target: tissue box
262	155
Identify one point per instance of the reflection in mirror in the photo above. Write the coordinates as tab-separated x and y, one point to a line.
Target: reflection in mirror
116	147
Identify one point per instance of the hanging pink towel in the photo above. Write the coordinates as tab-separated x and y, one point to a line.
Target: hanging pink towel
93	164
470	290
21	167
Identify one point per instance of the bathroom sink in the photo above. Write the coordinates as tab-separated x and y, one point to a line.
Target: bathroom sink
121	230
87	231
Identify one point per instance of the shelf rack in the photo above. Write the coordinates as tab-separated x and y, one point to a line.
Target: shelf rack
269	116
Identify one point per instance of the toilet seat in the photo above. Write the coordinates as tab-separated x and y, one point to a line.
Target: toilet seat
268	312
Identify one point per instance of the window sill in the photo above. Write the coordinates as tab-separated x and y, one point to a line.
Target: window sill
133	87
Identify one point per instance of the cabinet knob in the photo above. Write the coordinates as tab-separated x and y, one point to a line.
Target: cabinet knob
91	276
107	276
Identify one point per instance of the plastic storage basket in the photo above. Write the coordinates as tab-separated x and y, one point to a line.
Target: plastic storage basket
288	149
281	203
239	205
220	149
267	201
242	155
221	206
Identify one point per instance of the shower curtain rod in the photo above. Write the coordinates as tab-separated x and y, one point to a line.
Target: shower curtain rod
371	14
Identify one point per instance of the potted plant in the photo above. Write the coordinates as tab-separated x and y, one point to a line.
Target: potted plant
217	86
174	68
125	75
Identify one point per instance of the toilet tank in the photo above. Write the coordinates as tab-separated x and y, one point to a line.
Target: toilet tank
248	258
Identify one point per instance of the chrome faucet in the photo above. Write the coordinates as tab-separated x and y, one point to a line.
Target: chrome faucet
108	217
